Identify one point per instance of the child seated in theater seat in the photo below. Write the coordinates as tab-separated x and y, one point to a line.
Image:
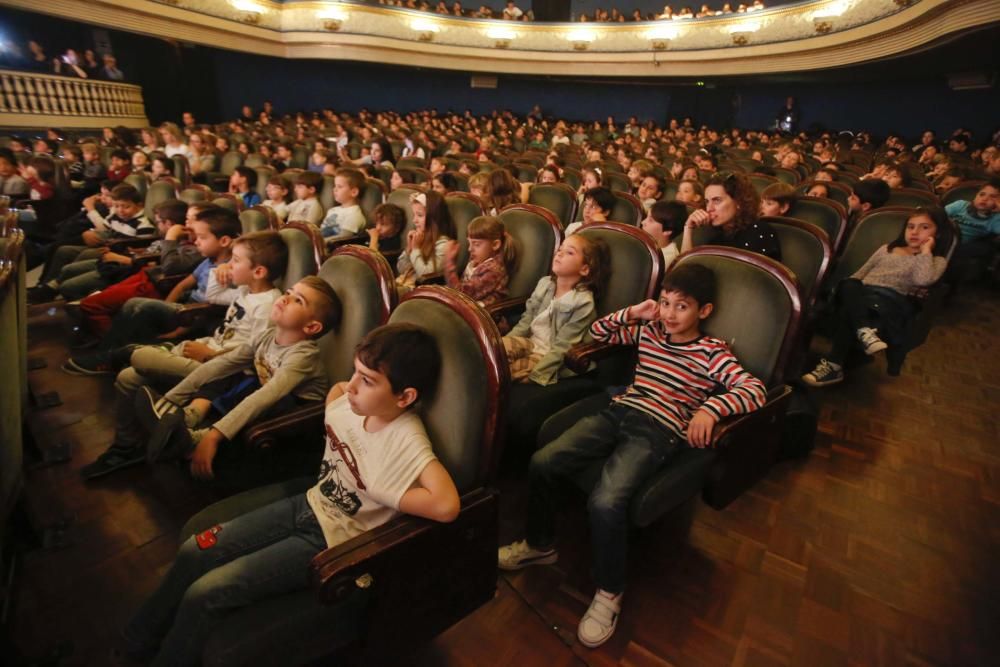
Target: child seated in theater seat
684	384
306	206
874	305
665	223
597	206
865	196
558	312
144	320
378	463
776	199
347	218
277	197
387	233
492	255
427	243
242	183
979	222
258	260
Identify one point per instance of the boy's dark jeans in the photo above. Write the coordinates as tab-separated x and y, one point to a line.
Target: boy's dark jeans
630	446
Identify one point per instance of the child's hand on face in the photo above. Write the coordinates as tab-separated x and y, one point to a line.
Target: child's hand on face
175	233
90	203
372	233
223	274
927	247
700	429
648	310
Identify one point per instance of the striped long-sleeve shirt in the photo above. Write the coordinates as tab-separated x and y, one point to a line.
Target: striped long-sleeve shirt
673	381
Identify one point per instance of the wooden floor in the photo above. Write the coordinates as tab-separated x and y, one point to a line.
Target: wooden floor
882	548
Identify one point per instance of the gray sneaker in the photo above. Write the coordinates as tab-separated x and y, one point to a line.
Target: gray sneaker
516	555
825	373
870	341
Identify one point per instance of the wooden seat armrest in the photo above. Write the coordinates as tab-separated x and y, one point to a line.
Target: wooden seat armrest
581	356
432	279
505	306
196	313
145	258
740	425
166	283
339	241
300	422
383	558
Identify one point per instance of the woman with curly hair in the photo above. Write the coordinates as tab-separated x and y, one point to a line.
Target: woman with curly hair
732	209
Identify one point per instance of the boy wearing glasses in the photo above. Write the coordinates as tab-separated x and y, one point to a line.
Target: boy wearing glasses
377	463
684	384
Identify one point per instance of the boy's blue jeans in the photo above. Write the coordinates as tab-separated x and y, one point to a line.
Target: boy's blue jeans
630	446
261	554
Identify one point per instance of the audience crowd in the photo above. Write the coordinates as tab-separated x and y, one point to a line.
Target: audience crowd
89	65
511	12
308	171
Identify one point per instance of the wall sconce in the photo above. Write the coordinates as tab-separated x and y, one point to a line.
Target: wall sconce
660	38
251	11
581	39
502	37
333	18
425	29
741	33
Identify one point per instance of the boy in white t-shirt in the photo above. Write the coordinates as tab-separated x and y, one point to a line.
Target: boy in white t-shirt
258	259
665	223
377	463
347	218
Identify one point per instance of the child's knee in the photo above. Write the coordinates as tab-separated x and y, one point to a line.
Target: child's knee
129	381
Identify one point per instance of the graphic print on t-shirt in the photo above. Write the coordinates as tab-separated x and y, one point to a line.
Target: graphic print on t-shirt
331	484
233	315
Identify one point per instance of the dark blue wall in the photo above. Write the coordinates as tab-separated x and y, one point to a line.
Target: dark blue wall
906	107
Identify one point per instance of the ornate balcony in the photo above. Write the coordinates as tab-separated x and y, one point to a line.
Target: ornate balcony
28	99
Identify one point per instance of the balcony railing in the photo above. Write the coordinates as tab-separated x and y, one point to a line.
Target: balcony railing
28	99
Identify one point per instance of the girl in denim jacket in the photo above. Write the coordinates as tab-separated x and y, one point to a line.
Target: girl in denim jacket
559	312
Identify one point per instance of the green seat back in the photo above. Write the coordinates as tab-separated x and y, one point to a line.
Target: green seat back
300	157
254	160
408	162
572	177
181	170
264	174
401	198
627	209
230	160
157	193
911	197
139	182
363	281
636	265
754	307
538	235
474	375
371	196
227	203
616	181
762	181
823	214
463	209
301	254
670	187
325	197
191	195
558	198
254	220
805	250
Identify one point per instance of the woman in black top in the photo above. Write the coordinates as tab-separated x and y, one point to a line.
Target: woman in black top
732	209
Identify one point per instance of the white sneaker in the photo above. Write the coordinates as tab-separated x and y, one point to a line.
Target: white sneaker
516	555
870	341
598	624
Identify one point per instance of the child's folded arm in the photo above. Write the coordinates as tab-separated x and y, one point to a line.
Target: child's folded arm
293	371
615	328
745	393
435	498
219	367
546	371
928	269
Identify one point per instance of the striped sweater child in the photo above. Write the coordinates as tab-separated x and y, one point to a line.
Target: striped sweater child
673	381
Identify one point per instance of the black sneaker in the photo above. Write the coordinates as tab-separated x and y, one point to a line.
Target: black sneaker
825	373
115	458
42	294
88	364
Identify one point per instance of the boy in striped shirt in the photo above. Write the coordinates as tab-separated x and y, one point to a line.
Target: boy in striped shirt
684	384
